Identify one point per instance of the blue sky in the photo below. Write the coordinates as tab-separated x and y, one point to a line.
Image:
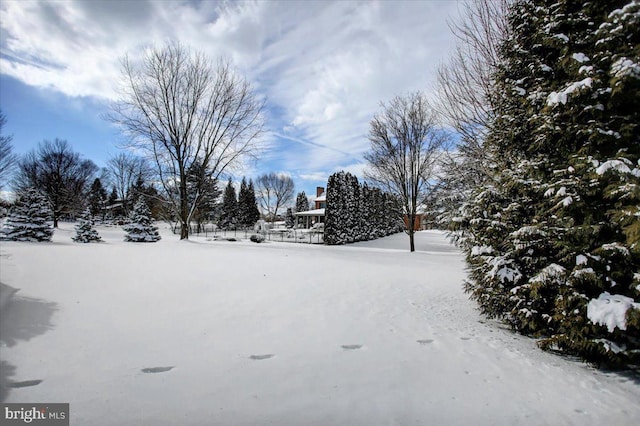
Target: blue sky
324	67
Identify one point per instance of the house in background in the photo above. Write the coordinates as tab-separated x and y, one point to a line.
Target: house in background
308	219
311	217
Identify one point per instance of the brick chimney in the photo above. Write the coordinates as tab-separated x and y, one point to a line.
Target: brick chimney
319	190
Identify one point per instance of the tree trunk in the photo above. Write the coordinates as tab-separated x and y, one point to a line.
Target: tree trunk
412	220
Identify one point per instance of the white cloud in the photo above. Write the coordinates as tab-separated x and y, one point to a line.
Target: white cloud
324	66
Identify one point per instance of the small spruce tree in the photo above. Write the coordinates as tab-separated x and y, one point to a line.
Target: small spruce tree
302	202
141	229
289	220
85	233
29	219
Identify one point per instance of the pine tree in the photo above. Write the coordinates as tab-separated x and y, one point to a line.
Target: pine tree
229	211
289	219
356	212
254	212
248	213
205	188
544	236
302	202
335	212
29	219
595	112
85	233
141	229
97	198
115	208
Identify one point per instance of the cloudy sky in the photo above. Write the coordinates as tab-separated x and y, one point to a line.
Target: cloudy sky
323	66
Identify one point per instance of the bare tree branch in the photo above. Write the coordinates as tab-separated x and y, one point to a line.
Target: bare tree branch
274	191
8	159
405	147
181	109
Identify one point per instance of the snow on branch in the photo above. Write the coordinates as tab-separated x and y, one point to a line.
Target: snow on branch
610	310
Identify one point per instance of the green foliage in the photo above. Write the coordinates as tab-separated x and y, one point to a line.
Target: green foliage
302	202
248	213
229	210
85	233
558	222
28	219
141	229
356	212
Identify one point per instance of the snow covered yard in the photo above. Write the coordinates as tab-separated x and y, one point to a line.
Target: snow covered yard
281	334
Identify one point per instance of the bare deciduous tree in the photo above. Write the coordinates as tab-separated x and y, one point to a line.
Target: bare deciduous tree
124	169
8	160
182	109
274	191
59	173
405	146
465	82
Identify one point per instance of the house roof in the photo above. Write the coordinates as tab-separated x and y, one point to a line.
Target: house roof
317	212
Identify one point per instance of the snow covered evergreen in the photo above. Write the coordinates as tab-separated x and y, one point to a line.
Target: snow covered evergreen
85	233
29	219
556	228
357	212
302	202
289	219
141	229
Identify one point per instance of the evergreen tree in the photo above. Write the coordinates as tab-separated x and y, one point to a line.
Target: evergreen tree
114	205
254	212
356	212
229	211
203	194
29	219
248	213
97	198
551	232
289	219
85	233
302	202
141	229
335	213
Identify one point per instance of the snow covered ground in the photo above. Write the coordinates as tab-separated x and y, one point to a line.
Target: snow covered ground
278	334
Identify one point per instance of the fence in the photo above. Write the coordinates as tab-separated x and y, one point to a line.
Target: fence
307	236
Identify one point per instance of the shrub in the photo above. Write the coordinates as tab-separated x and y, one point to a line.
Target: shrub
257	238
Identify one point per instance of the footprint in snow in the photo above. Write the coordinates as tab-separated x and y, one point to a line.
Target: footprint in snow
465	338
261	357
351	347
425	341
156	369
24	384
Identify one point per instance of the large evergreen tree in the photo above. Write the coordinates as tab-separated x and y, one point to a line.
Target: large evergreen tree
229	210
357	212
553	232
29	219
97	198
248	213
203	194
